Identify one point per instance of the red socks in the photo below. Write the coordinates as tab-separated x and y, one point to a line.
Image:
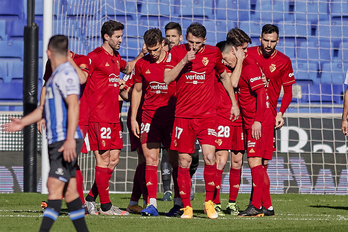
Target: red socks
266	195
234	183
218	186
151	178
257	174
102	177
79	183
184	185
209	179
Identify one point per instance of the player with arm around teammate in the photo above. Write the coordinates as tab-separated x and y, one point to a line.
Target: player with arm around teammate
61	111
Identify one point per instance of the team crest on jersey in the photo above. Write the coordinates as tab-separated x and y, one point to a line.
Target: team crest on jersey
107	64
175	143
148	71
218	141
118	65
205	61
272	68
103	142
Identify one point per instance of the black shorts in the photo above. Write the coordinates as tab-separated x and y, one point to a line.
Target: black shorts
59	168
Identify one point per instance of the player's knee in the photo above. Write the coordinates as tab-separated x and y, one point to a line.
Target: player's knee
209	159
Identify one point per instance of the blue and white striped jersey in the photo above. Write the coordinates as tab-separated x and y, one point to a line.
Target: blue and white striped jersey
63	82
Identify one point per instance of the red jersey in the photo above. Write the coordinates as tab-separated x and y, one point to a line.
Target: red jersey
129	79
82	62
251	80
278	71
159	97
195	83
223	100
103	85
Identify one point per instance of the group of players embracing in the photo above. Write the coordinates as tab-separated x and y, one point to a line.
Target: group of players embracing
225	96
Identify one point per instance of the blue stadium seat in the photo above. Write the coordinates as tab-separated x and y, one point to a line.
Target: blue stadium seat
326	93
339	8
72	28
252	28
145	25
10	9
39	7
3	35
222	27
287	47
195	8
16	70
121	8
343	51
131	29
301	91
157	7
3	71
271	11
331	31
333	72
11	91
314	52
233	10
133	45
17	29
294	29
12	49
311	11
306	71
80	8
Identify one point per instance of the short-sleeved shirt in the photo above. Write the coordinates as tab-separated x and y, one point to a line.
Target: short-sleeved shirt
195	84
63	82
278	71
159	97
103	85
82	62
250	81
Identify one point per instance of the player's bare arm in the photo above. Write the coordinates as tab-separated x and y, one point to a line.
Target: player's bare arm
136	98
260	109
17	124
345	113
131	64
226	82
41	124
171	74
69	146
82	75
123	90
240	55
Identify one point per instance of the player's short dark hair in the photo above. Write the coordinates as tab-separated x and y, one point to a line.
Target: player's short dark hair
224	46
152	37
173	25
109	27
166	41
269	29
237	37
59	44
197	30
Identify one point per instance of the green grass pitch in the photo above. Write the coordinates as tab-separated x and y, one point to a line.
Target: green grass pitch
294	212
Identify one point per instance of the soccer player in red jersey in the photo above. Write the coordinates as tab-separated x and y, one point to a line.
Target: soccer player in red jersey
104	129
278	71
193	66
158	111
258	129
229	132
81	65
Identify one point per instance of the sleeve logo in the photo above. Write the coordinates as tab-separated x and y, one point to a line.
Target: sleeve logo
291	75
169	58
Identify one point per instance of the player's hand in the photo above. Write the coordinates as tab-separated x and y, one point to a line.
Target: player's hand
190	55
122	84
69	150
144	49
345	127
13	126
264	80
279	121
240	55
234	113
256	130
135	128
41	125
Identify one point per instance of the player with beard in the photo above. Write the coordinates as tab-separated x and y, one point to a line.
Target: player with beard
278	72
193	66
